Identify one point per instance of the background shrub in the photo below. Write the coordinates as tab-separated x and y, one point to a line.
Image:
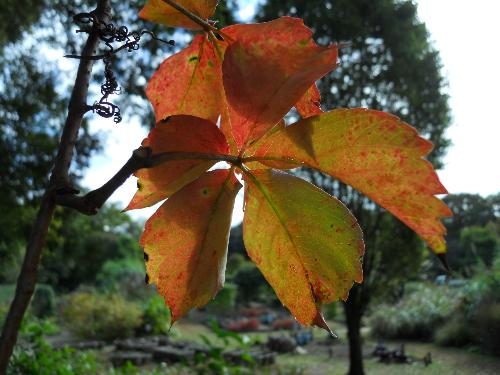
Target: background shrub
44	301
156	316
34	356
417	315
124	276
225	301
95	316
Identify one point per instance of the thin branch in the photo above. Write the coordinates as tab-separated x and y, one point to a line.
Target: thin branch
193	17
59	180
90	203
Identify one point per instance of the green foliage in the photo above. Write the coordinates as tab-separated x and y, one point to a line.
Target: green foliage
250	282
81	245
234	262
156	316
225	300
124	276
43	303
214	362
472	231
479	244
417	315
331	310
34	356
95	316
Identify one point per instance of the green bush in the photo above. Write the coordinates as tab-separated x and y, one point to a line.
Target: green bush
156	316
95	316
250	282
44	301
225	300
417	314
234	262
124	276
34	356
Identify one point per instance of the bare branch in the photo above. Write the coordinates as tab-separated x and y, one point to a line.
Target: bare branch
90	203
208	27
59	179
193	17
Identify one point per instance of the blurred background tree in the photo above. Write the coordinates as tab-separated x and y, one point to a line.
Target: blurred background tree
388	64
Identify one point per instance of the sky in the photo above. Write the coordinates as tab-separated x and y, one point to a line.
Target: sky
466	35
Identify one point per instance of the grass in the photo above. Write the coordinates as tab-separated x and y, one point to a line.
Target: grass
445	361
317	361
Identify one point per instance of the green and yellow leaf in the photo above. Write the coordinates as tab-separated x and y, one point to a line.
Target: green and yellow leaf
376	153
306	243
186	240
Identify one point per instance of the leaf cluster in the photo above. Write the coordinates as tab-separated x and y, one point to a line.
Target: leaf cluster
224	98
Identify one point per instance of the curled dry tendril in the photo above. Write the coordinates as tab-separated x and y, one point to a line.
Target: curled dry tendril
110	35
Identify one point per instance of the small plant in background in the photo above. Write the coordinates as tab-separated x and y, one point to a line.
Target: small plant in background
44	301
225	301
34	355
96	316
417	315
155	316
216	362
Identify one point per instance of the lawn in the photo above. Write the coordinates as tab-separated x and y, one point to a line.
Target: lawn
320	360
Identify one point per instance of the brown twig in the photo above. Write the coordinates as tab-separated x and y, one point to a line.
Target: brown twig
59	180
193	17
90	203
204	24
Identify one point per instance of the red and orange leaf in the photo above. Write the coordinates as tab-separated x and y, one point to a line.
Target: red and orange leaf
376	153
267	70
189	83
177	134
186	241
306	243
310	103
160	12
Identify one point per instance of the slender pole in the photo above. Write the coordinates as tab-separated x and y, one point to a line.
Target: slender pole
59	180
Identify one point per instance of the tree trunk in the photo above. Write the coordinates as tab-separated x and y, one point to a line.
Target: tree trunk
58	180
353	314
